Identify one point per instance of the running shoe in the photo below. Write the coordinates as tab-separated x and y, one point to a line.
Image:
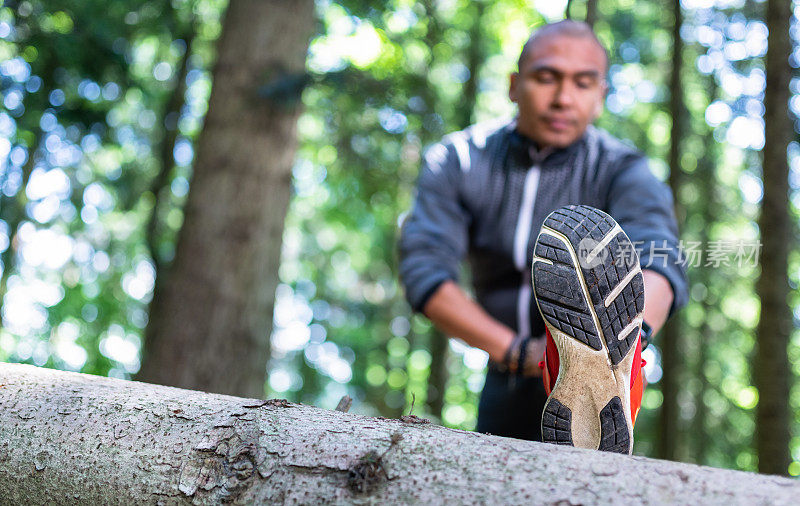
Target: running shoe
589	289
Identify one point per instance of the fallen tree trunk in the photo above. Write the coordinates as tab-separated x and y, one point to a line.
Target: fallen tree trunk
69	438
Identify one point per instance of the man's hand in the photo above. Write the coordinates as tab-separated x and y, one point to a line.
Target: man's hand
533	353
455	314
657	299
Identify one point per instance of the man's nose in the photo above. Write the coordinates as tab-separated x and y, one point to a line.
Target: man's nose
564	96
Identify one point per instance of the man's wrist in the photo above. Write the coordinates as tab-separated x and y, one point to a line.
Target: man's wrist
515	354
646	334
510	356
522	357
505	345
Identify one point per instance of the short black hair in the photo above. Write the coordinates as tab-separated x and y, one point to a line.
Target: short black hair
567	27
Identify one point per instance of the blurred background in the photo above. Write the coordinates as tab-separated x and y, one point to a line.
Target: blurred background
101	109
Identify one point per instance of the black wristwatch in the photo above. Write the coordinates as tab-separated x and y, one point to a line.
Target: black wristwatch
646	334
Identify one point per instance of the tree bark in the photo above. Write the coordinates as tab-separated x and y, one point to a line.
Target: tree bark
771	370
76	438
210	325
671	338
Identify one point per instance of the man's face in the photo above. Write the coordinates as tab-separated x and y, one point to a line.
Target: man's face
559	89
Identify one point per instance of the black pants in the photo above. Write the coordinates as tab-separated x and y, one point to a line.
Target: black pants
511	409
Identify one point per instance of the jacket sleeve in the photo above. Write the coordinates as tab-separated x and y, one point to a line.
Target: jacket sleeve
643	207
433	238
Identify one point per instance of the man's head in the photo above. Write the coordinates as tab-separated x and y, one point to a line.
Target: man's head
560	85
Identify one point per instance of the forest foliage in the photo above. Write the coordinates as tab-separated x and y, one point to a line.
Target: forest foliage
89	91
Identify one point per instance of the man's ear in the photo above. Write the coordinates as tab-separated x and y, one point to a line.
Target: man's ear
598	107
513	81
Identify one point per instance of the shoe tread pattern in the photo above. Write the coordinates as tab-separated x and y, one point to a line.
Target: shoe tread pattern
614	436
557	423
578	223
559	292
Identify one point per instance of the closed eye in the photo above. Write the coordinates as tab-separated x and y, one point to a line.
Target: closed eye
545	77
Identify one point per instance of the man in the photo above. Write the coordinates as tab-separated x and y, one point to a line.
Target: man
485	192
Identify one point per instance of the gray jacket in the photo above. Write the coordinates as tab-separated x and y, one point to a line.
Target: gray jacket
484	192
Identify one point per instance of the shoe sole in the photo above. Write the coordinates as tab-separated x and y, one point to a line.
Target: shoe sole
589	289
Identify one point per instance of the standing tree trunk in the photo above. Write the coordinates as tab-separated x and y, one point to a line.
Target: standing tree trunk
166	148
668	447
439	346
439	342
474	58
708	211
771	366
210	325
591	12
